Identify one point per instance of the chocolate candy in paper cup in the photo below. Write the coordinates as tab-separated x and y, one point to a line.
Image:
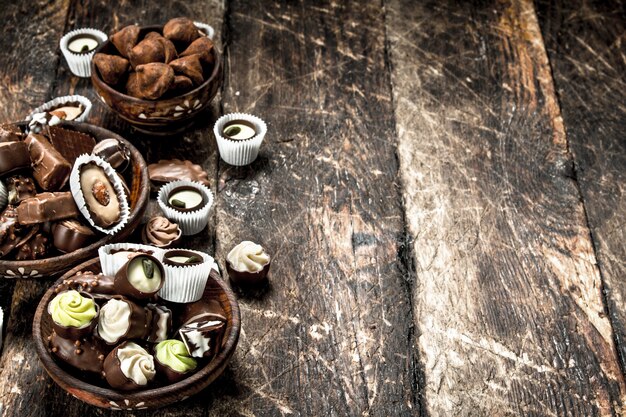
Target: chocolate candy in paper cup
74	108
205	29
187	204
186	274
239	137
78	47
115	255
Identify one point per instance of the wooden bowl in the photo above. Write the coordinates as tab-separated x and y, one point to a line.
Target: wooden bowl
139	197
157	117
152	398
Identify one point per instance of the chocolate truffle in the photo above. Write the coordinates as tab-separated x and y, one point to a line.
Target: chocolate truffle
174	169
129	367
125	39
73	314
173	360
82	354
100	196
160	232
186	198
141	277
47	207
169	50
189	66
13	156
248	264
239	130
113	151
70	235
181	85
120	319
203	47
153	80
147	51
50	169
112	68
181	31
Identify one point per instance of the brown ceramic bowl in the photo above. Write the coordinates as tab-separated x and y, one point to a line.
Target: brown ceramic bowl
157	117
99	395
139	197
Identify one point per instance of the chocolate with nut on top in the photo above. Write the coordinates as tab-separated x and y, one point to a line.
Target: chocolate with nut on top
100	196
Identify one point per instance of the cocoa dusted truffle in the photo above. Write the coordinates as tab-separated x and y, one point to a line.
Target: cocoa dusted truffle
112	68
181	85
202	47
129	367
125	39
189	66
153	80
169	50
147	51
181	30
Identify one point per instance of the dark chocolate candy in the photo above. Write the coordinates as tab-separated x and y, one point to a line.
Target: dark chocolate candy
112	68
46	207
161	323
245	278
186	198
83	354
125	39
149	50
153	80
203	336
76	333
10	230
98	285
202	47
50	169
70	235
20	188
115	327
202	309
114	152
181	31
70	143
189	66
166	171
10	133
35	247
140	278
181	257
141	363
13	156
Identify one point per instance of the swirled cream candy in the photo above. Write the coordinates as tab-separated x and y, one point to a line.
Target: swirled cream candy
129	367
121	319
173	360
248	264
73	314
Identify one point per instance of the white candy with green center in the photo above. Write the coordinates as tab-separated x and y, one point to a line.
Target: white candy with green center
140	279
191	198
239	131
82	44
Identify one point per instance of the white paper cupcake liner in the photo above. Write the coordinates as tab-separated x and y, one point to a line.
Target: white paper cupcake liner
111	264
185	284
117	185
60	102
191	222
80	64
1	325
4	195
208	29
239	152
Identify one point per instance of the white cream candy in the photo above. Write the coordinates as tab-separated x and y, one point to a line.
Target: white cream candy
248	257
114	320
136	363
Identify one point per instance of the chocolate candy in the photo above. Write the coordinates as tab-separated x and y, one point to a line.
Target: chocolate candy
10	133
181	257
129	367
239	130
113	151
125	39
112	68
181	85
186	199
248	264
20	188
160	232
171	170
98	285
161	323
35	247
74	315
203	336
70	235
13	156
100	196
82	354
140	278
173	361
82	43
169	50
147	51
181	31
202	47
46	207
70	143
50	169
189	66
153	80
68	111
121	319
9	230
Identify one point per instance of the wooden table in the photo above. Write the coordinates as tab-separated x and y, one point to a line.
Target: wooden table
442	188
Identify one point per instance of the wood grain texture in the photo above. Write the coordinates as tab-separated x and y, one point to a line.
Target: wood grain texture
586	44
332	335
508	297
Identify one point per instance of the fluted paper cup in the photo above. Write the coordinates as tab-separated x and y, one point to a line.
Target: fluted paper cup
111	264
62	101
185	284
190	222
80	64
239	152
208	29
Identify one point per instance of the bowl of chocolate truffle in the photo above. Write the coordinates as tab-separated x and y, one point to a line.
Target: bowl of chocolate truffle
65	190
158	77
138	327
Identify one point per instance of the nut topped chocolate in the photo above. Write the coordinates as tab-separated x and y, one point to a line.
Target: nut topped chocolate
239	130
100	196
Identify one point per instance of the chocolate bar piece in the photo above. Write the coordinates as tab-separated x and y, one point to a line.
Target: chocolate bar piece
70	143
47	207
50	169
13	156
70	235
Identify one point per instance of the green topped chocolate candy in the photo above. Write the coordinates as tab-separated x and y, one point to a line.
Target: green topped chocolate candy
174	354
70	309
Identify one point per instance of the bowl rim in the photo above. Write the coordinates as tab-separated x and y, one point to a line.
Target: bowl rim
71	383
78	254
97	79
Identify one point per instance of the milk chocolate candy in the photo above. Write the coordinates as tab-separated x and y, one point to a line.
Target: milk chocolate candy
129	367
46	207
154	79
82	354
181	31
9	230
121	319
76	333
203	47
172	170
71	235
70	143
10	133
20	188
140	278
189	66
98	285
161	323
50	169
112	68
35	247
13	156
113	151
147	51
125	39
203	336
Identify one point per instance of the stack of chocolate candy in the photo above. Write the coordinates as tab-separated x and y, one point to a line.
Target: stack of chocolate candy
162	64
118	329
58	190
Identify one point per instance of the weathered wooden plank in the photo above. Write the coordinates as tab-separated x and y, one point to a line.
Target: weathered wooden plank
332	335
197	145
508	299
585	42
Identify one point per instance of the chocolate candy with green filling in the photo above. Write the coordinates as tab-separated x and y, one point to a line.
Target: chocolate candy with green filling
114	152
50	169
129	367
100	196
140	278
181	257
82	354
73	314
47	207
186	198
173	360
70	235
239	130
121	319
13	156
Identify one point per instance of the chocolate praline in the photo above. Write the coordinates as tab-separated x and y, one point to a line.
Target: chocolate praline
114	373
181	257
239	130
84	354
140	268
136	324
186	199
76	333
244	255
70	235
82	43
172	375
